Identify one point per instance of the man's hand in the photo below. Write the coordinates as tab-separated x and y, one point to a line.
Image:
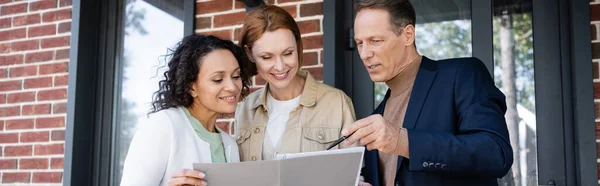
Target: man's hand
374	132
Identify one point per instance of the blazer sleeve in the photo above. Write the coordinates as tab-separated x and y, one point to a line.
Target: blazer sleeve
482	145
148	154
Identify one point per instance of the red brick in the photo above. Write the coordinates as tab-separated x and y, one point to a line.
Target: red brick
13	34
55	42
596	109
43	136
55	122
13	9
9	138
62	54
5	1
58	135
37	163
595	70
595	12
38	82
11	60
47	177
25	150
310	58
291	10
56	15
226	116
65	3
229	19
27	20
25	45
5	23
57	163
316	72
10	85
309	26
3	73
4	48
54	149
55	94
203	22
312	42
23	71
21	97
312	9
596	90
223	126
213	6
2	98
593	31
19	124
15	177
39	57
259	80
36	109
237	34
596	51
42	30
8	164
61	80
223	34
42	5
239	5
59	108
64	27
54	68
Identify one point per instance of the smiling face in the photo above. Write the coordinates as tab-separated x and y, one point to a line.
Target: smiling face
276	56
383	52
218	85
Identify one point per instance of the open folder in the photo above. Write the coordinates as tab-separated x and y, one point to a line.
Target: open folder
334	167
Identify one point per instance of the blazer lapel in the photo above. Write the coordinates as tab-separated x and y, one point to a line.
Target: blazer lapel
421	87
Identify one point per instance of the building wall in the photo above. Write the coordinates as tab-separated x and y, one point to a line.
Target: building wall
223	18
595	31
34	56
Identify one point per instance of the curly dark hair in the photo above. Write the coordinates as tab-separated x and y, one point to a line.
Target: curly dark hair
184	65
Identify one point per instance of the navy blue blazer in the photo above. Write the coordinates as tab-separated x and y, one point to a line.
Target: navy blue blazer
457	133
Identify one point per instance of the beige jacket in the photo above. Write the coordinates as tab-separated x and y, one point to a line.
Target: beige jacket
322	114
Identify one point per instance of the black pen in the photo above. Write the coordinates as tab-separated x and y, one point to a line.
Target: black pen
338	141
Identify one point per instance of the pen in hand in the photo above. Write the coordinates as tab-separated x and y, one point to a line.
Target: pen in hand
338	141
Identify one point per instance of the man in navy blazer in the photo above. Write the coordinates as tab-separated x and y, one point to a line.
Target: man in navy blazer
440	123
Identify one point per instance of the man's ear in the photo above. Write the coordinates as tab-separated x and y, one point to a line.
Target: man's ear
249	53
409	34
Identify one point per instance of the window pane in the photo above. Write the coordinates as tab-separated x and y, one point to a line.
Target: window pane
443	31
149	28
513	73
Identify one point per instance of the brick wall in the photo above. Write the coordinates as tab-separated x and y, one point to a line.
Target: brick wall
223	18
34	56
595	31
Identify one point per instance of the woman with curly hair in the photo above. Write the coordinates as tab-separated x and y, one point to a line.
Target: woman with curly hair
206	76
